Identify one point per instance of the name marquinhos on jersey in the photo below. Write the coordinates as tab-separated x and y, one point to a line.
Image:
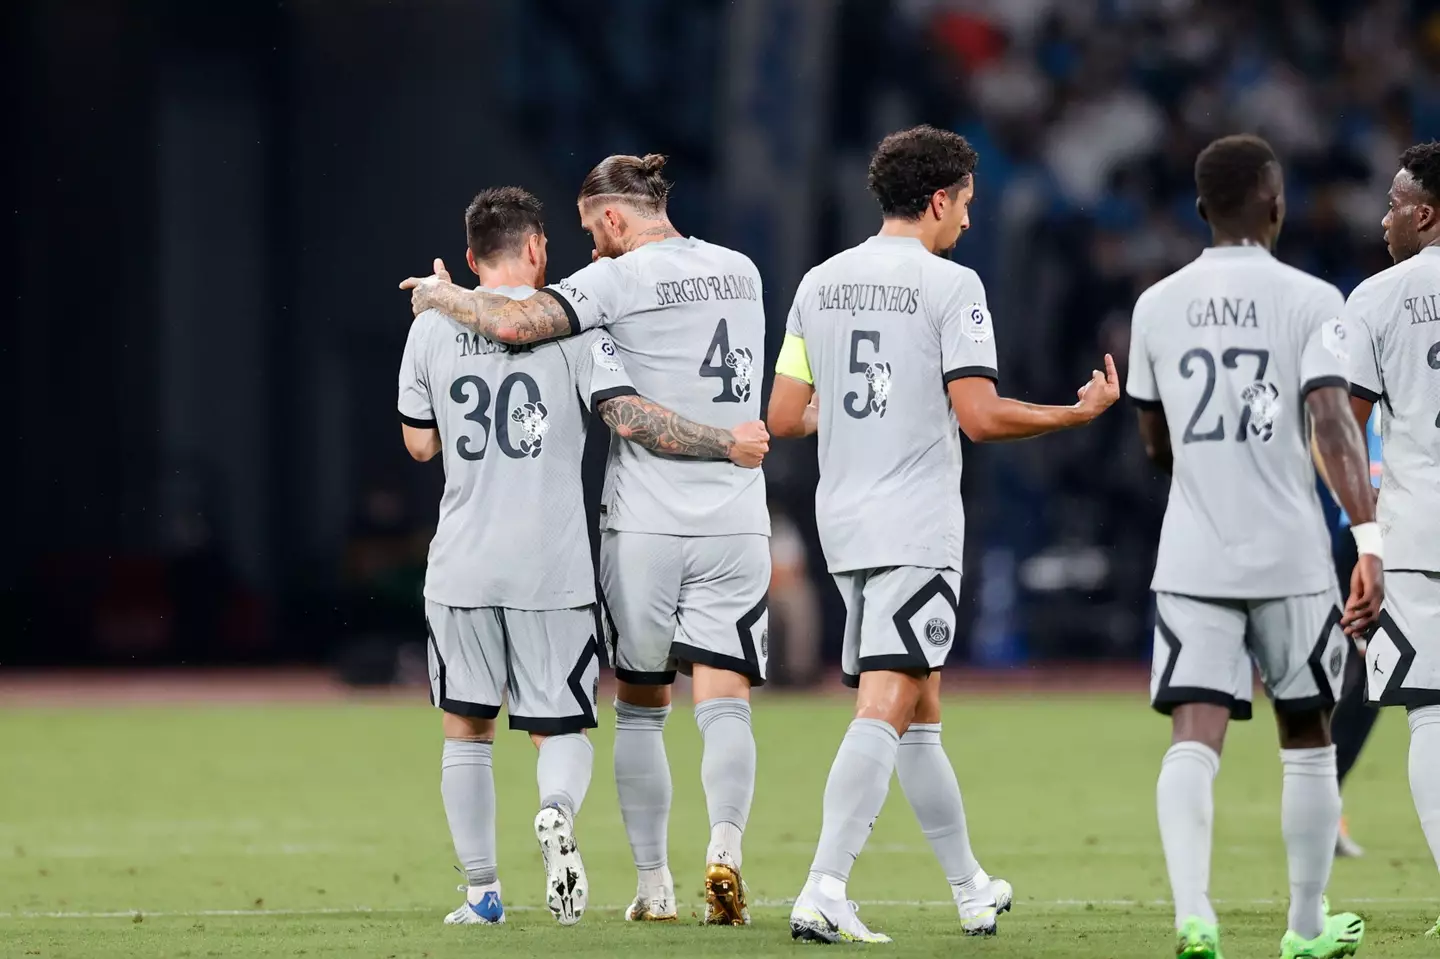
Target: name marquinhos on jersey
878	297
1422	309
473	344
1225	311
698	289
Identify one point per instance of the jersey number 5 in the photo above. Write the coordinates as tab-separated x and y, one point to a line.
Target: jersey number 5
877	377
1434	360
529	417
1231	360
735	368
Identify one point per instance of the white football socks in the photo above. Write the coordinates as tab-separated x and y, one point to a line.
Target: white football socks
1425	772
1185	800
1310	821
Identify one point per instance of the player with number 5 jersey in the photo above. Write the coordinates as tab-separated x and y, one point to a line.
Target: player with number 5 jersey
684	555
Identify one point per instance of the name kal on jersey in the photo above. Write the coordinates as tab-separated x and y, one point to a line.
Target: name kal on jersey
1422	309
473	344
1226	311
699	289
878	297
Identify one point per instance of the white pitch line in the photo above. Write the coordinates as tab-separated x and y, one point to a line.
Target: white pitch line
759	903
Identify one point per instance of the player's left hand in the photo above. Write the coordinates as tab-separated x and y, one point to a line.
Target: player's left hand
1367	592
421	287
1101	392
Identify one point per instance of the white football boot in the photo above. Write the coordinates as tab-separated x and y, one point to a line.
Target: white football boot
654	900
978	913
567	892
482	907
820	917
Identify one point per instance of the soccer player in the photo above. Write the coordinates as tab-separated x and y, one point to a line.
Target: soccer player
1228	355
893	343
510	587
1394	317
684	554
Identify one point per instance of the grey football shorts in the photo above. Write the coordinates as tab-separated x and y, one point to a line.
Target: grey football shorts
673	601
1207	650
897	618
544	664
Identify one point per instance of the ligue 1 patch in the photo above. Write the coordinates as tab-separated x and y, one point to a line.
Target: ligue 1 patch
604	353
1334	338
977	323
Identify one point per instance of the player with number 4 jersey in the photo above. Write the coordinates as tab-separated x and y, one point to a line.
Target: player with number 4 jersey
684	555
1233	360
1394	319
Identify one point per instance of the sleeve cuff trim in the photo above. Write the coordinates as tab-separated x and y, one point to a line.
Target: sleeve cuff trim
570	315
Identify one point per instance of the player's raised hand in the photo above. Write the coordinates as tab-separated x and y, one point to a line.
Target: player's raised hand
1367	592
752	442
1101	392
421	287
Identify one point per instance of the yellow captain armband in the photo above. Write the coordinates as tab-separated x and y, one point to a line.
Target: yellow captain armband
794	361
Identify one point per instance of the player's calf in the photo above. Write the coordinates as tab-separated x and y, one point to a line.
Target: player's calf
467	787
727	770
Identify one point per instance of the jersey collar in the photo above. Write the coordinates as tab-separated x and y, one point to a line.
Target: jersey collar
1234	252
898	242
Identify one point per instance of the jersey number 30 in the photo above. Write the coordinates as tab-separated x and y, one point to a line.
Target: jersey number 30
529	418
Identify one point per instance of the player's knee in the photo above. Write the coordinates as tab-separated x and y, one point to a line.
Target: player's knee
652	697
890	696
1309	729
927	710
1203	723
714	683
469	728
539	738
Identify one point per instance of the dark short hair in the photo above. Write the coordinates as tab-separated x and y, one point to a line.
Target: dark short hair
1422	161
636	180
498	221
909	166
1228	172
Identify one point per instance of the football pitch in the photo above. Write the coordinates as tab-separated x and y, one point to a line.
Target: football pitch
316	830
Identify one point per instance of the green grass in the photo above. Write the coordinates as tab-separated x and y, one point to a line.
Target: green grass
329	817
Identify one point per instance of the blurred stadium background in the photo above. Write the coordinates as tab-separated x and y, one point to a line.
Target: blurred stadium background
214	201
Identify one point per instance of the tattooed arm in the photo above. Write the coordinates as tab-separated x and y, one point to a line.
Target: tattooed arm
654	427
540	317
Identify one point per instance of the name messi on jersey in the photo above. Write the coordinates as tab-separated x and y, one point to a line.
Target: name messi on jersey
1423	309
695	289
473	344
1226	311
855	297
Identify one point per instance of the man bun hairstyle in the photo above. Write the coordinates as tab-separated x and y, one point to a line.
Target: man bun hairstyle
909	166
499	221
1422	161
631	179
1228	174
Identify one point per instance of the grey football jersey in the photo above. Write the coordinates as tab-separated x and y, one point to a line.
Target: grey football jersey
1395	360
886	326
690	324
1230	345
512	424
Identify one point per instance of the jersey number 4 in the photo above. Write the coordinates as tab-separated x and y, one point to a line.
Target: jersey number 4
734	368
1206	361
529	418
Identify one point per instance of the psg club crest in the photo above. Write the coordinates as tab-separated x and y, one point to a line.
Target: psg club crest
937	632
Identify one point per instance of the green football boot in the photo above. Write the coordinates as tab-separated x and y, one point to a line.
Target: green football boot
1198	939
1341	936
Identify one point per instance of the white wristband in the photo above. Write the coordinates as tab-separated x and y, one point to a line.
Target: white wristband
1368	540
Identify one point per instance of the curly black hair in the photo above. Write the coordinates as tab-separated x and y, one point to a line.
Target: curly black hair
1423	163
909	166
1228	171
498	220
